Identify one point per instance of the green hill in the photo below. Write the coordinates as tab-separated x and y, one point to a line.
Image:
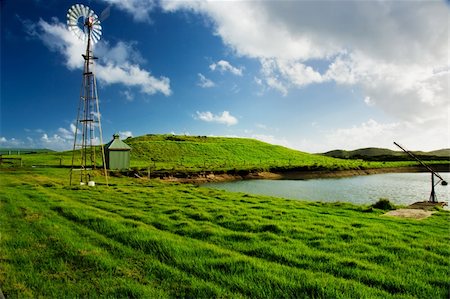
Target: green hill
382	154
217	153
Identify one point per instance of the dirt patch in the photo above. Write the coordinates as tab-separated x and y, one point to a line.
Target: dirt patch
410	213
201	179
427	205
264	175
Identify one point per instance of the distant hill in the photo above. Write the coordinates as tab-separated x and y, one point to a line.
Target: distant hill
20	151
383	154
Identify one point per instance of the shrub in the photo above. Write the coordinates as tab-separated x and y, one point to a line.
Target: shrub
383	204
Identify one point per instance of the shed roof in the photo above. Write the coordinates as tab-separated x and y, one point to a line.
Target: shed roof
117	144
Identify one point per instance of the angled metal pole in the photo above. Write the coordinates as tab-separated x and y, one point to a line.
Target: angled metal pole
433	173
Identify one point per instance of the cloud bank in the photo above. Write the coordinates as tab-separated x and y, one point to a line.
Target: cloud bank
394	53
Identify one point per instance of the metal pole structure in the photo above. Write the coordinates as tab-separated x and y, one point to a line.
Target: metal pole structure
433	198
90	118
432	194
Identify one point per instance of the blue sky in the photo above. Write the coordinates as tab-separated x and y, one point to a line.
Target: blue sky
310	75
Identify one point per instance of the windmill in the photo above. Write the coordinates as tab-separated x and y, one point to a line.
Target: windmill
433	198
85	24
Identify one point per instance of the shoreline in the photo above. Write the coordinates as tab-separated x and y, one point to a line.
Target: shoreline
298	174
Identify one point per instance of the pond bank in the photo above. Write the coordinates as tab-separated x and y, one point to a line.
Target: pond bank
297	174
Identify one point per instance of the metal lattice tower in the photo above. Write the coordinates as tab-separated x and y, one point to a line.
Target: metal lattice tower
86	151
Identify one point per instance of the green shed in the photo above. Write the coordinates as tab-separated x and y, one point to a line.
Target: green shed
117	154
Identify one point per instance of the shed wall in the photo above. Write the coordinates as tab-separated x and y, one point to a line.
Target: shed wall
118	160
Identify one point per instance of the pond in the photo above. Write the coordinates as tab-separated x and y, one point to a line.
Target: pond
399	188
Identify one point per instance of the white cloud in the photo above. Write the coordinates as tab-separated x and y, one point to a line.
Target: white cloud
125	134
224	118
297	73
367	134
65	134
128	95
58	38
121	53
133	76
368	101
138	9
272	139
55	142
205	82
73	128
411	92
11	142
225	66
118	65
59	139
281	74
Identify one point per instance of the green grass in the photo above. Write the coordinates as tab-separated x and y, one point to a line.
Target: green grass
150	239
194	154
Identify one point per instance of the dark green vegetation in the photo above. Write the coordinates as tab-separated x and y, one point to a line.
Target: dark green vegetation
149	239
383	204
382	154
193	154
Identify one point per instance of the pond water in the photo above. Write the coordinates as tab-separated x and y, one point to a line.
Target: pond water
399	188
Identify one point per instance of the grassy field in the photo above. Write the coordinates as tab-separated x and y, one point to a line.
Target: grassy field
149	239
193	154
